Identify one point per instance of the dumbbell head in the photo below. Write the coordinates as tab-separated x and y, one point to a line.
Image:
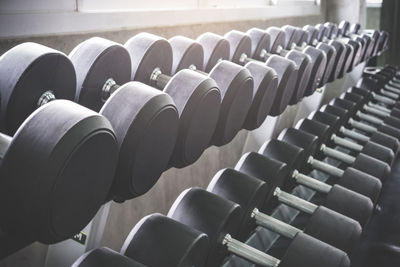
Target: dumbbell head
302	60
210	214
323	131
198	106
28	72
157	240
271	171
265	79
103	257
237	90
242	189
145	119
61	151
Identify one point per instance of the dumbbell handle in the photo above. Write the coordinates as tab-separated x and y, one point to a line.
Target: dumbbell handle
394	87
311	182
362	126
375	111
274	225
346	143
249	253
354	135
109	87
379	107
5	141
369	118
325	167
158	79
383	99
337	155
389	94
294	201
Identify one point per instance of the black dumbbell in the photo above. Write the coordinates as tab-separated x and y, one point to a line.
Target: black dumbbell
359	161
338	198
250	193
334	138
244	47
157	240
344	51
146	130
189	53
324	224
337	35
197	96
297	38
285	68
338	106
220	220
261	44
361	132
59	152
318	57
350	178
104	257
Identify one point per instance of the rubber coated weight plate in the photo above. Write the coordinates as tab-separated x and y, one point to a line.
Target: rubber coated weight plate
271	171
148	52
215	49
239	43
70	150
350	204
171	243
209	214
264	92
303	67
104	257
186	53
27	71
247	191
260	40
318	60
236	86
303	251
145	121
287	75
198	100
96	60
334	228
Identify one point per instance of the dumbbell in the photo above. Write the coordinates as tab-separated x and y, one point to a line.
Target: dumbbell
284	68
104	257
157	240
262	45
338	198
146	62
318	57
297	38
250	193
189	53
196	95
220	218
59	152
350	108
334	138
344	52
391	124
275	173
356	45
361	161
371	133
353	33
146	130
350	178
380	38
246	46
